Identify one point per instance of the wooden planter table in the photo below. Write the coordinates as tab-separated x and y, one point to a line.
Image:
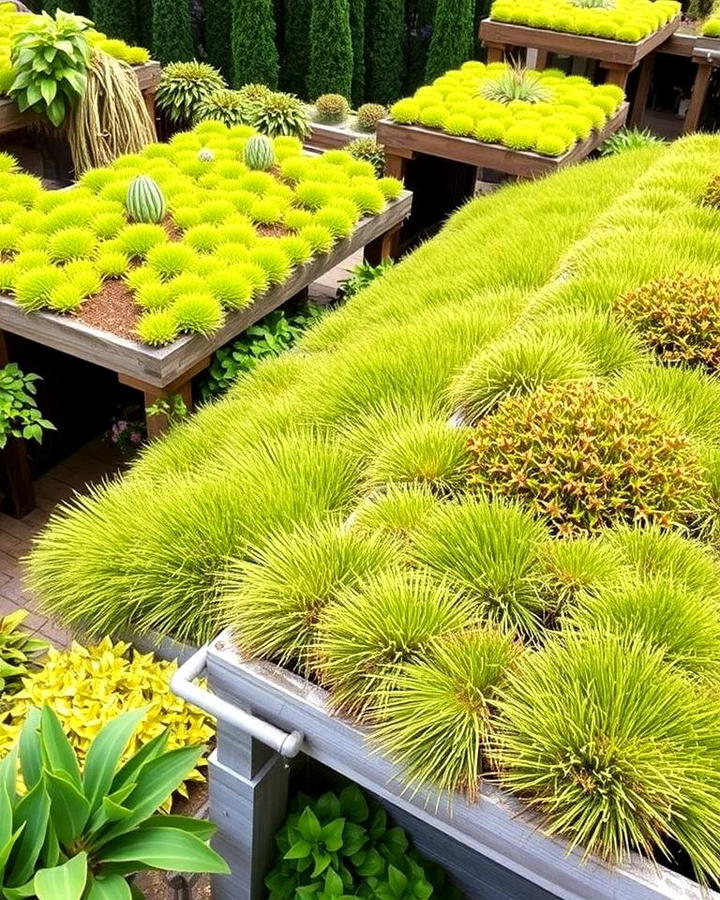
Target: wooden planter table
437	193
160	373
618	58
332	137
706	55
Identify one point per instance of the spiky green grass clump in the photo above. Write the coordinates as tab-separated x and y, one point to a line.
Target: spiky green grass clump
275	599
614	749
397	511
586	458
198	312
438	721
489	550
158	327
544	112
365	637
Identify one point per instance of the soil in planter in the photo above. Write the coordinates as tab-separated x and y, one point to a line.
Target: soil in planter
112	310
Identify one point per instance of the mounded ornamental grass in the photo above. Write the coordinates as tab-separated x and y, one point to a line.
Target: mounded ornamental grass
619	20
544	112
269	509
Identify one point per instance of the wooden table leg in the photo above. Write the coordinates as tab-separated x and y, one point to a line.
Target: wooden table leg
387	246
181	387
149	98
17	476
616	74
637	112
495	52
697	98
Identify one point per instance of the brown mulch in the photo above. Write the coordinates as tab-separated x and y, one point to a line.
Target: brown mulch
112	309
174	232
272	230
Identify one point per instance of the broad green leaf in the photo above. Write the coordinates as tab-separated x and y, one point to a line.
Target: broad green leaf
32	812
309	825
32	93
7	847
56	112
201	828
353	803
19	893
111	887
29	749
69	809
299	850
8	774
332	834
136	763
397	881
104	754
164	848
354	838
110	810
322	861
48	89
57	752
50	855
6	819
66	881
155	783
328	807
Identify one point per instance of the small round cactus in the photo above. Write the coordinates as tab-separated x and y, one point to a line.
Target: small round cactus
331	109
206	155
369	115
259	153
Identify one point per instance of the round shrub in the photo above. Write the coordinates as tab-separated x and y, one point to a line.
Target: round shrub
137	239
34	286
368	116
318	237
203	238
438	721
369	199
71	243
678	318
297	250
232	287
111	264
272	260
273	599
613	748
368	149
200	313
336	220
170	259
366	635
331	109
158	327
397	511
587	458
154	295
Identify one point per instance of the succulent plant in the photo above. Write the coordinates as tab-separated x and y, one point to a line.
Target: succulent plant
515	83
281	114
331	109
183	86
206	155
369	115
226	106
587	458
367	148
678	317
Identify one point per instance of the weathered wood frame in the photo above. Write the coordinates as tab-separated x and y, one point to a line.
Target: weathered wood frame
511	857
333	137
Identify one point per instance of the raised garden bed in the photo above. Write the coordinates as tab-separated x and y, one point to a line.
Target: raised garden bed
332	137
509	855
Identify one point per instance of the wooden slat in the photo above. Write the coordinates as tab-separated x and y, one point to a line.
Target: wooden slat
679	45
406	140
498	827
579	45
160	367
331	137
11	119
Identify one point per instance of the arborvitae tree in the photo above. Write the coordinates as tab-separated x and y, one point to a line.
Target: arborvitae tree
172	39
420	14
357	30
331	51
79	7
296	57
217	26
117	18
384	50
255	56
453	37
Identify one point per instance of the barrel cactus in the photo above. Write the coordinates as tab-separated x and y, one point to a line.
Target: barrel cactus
206	155
259	153
145	201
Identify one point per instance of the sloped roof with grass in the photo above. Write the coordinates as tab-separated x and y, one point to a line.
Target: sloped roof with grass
329	512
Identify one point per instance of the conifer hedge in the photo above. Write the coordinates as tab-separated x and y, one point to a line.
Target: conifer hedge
254	53
384	50
453	37
172	37
331	51
117	18
217	27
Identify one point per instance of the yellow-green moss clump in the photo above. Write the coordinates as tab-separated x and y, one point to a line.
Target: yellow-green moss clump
587	458
12	21
211	256
544	112
619	20
678	318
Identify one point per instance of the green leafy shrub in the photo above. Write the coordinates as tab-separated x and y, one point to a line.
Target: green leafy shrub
50	59
628	139
342	845
678	318
368	149
370	630
332	109
222	105
438	721
611	747
396	512
515	83
172	35
587	458
183	86
63	838
385	32
19	415
369	114
330	62
282	114
19	654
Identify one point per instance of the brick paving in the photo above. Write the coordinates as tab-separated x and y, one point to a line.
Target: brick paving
93	462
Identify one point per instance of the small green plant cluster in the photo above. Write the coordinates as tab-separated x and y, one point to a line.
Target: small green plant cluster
23	66
19	415
341	846
183	86
628	139
332	109
360	277
195	229
19	653
545	112
266	339
368	116
587	458
367	148
619	20
80	833
678	318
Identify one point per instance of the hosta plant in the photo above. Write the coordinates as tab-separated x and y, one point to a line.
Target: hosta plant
222	105
586	458
183	86
281	114
19	415
19	653
77	833
678	317
51	59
